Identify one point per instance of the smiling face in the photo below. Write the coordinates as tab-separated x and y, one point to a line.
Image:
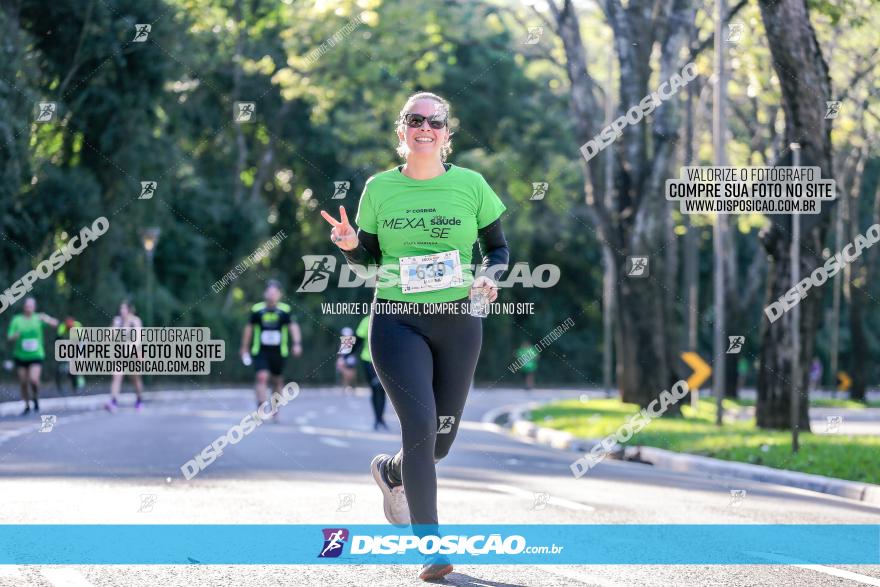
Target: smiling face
424	142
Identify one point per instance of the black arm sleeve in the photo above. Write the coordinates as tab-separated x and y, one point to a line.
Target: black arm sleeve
493	247
366	253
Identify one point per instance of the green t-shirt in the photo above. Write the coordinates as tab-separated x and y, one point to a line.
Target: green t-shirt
528	353
64	331
29	345
423	216
363	332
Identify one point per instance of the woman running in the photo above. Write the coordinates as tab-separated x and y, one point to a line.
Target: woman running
126	319
26	333
346	361
420	221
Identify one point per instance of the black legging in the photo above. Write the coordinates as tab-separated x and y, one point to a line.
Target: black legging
378	398
426	363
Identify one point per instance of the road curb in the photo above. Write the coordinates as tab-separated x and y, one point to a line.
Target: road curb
688	463
676	461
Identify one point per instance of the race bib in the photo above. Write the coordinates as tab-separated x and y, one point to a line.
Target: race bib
270	337
430	272
30	345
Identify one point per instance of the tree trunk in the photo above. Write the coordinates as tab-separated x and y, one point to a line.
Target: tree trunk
732	309
859	365
642	368
804	82
240	142
633	222
857	284
731	376
691	237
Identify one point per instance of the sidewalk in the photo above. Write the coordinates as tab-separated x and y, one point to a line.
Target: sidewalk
832	420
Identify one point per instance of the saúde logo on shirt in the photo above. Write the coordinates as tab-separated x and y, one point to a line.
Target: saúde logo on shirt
437	226
445	221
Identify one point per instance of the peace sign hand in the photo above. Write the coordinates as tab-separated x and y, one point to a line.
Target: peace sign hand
342	234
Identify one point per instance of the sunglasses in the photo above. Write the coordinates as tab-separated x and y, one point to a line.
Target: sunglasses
413	120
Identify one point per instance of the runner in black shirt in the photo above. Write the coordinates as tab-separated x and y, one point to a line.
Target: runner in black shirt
267	338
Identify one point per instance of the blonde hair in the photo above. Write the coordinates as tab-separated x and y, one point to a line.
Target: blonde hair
446	149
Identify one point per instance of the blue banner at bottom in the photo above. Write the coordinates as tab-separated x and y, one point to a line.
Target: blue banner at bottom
466	544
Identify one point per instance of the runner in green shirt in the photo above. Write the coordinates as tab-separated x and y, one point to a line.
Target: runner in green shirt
420	222
427	229
64	332
26	333
527	355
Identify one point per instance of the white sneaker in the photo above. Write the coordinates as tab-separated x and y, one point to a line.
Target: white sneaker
395	504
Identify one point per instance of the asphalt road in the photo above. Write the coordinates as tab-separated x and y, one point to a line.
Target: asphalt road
312	468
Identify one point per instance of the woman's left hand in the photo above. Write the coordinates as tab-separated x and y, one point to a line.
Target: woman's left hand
487	285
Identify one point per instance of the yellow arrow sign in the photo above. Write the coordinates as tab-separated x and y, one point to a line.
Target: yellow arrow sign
845	380
701	368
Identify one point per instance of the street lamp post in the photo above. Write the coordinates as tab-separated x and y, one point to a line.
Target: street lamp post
795	317
610	271
719	133
150	238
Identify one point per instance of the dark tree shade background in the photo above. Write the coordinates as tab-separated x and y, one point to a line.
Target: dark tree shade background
162	110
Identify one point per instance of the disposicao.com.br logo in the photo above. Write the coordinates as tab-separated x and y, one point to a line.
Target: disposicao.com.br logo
334	540
538	543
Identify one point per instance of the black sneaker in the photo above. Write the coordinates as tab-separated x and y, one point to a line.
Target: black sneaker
27	410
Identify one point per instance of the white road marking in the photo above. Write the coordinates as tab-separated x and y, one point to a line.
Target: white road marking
557	501
64	577
580	575
364	433
35	425
334	442
10	572
835	572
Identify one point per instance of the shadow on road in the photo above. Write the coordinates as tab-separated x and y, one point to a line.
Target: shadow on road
462	579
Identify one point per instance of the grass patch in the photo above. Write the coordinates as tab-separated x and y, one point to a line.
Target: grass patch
842	456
